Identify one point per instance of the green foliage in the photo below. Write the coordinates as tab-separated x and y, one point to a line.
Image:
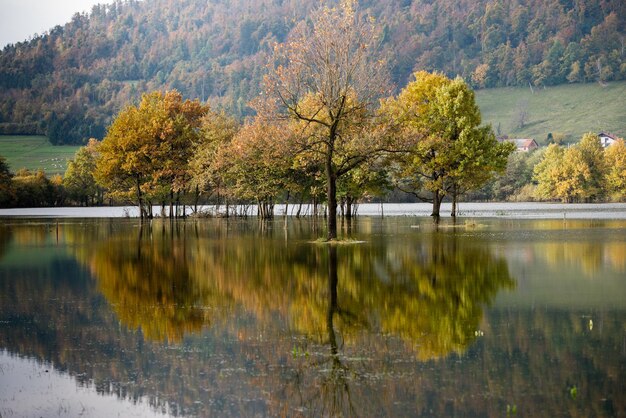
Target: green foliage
79	181
448	150
69	82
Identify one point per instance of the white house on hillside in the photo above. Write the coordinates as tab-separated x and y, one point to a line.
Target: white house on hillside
606	139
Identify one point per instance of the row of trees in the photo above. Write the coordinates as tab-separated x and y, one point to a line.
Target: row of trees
320	132
26	188
71	81
584	172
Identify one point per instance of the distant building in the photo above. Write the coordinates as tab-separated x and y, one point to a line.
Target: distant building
606	139
522	144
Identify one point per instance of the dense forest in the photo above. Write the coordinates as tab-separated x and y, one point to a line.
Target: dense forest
68	83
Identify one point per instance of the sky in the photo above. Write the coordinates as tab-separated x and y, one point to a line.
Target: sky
20	19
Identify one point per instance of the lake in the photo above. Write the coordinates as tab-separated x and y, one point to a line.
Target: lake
489	316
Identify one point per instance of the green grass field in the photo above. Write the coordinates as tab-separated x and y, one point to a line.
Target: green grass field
35	152
569	109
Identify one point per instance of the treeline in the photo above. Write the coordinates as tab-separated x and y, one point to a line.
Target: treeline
236	167
69	82
27	188
582	173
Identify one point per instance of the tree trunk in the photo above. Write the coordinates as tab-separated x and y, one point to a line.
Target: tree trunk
140	201
332	200
454	199
300	206
349	207
287	204
171	204
437	198
196	199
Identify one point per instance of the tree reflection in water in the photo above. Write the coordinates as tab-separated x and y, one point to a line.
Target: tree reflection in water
429	294
146	279
5	239
426	292
379	328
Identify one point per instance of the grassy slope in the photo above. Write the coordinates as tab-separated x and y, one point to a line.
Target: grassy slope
35	152
569	109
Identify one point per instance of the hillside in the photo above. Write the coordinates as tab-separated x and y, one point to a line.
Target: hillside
571	110
68	83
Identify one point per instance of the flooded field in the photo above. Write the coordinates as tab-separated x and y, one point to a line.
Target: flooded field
493	315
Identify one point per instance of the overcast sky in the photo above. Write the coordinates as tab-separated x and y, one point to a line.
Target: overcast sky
20	19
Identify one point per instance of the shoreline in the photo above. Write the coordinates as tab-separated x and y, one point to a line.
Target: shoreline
528	210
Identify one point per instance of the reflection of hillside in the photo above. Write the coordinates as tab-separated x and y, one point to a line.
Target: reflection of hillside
589	246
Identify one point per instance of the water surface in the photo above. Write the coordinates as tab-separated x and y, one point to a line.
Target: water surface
242	318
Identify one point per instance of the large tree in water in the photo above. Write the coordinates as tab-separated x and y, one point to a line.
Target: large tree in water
447	151
327	78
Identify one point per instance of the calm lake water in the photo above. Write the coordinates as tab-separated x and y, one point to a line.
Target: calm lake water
489	317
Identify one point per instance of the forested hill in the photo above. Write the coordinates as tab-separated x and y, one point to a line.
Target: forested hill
69	82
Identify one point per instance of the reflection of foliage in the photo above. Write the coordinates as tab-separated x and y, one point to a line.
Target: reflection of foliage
5	239
146	279
437	292
57	316
430	293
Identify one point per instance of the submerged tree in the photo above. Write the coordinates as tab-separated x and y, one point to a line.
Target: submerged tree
448	152
209	162
147	148
327	76
260	164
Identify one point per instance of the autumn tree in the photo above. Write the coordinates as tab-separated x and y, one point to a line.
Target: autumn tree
573	175
210	159
7	194
79	181
548	172
327	76
260	164
448	152
147	148
591	157
34	189
615	158
368	180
